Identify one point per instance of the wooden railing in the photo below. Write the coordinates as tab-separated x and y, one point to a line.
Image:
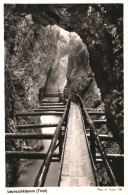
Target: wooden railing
51	93
40	180
51	156
48	157
74	98
94	138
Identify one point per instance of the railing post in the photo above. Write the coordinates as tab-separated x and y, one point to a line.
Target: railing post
92	144
60	144
59	96
66	118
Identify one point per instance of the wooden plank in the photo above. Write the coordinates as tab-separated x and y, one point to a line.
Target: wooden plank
96	113
28	155
40	179
39	113
30	126
102	137
49	106
97	139
52	103
53	99
99	121
51	95
49	109
92	109
76	168
28	136
110	156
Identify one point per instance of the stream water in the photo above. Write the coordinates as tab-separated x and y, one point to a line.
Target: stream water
28	175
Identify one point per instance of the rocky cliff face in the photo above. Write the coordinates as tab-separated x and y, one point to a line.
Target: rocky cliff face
80	78
101	29
57	78
30	51
71	69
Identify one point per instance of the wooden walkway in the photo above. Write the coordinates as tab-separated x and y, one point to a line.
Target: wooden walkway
76	167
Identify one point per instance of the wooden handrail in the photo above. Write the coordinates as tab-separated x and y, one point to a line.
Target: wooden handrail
96	112
102	137
62	157
39	113
52	103
96	137
49	109
28	154
120	156
48	158
32	126
28	136
40	179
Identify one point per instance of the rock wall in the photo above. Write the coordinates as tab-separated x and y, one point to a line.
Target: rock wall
80	78
30	51
57	78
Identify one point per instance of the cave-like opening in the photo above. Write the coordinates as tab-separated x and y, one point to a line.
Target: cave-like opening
71	68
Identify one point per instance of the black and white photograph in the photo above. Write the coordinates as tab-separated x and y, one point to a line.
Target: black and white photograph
64	97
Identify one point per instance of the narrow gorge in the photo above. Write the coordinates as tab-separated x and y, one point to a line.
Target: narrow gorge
74	46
